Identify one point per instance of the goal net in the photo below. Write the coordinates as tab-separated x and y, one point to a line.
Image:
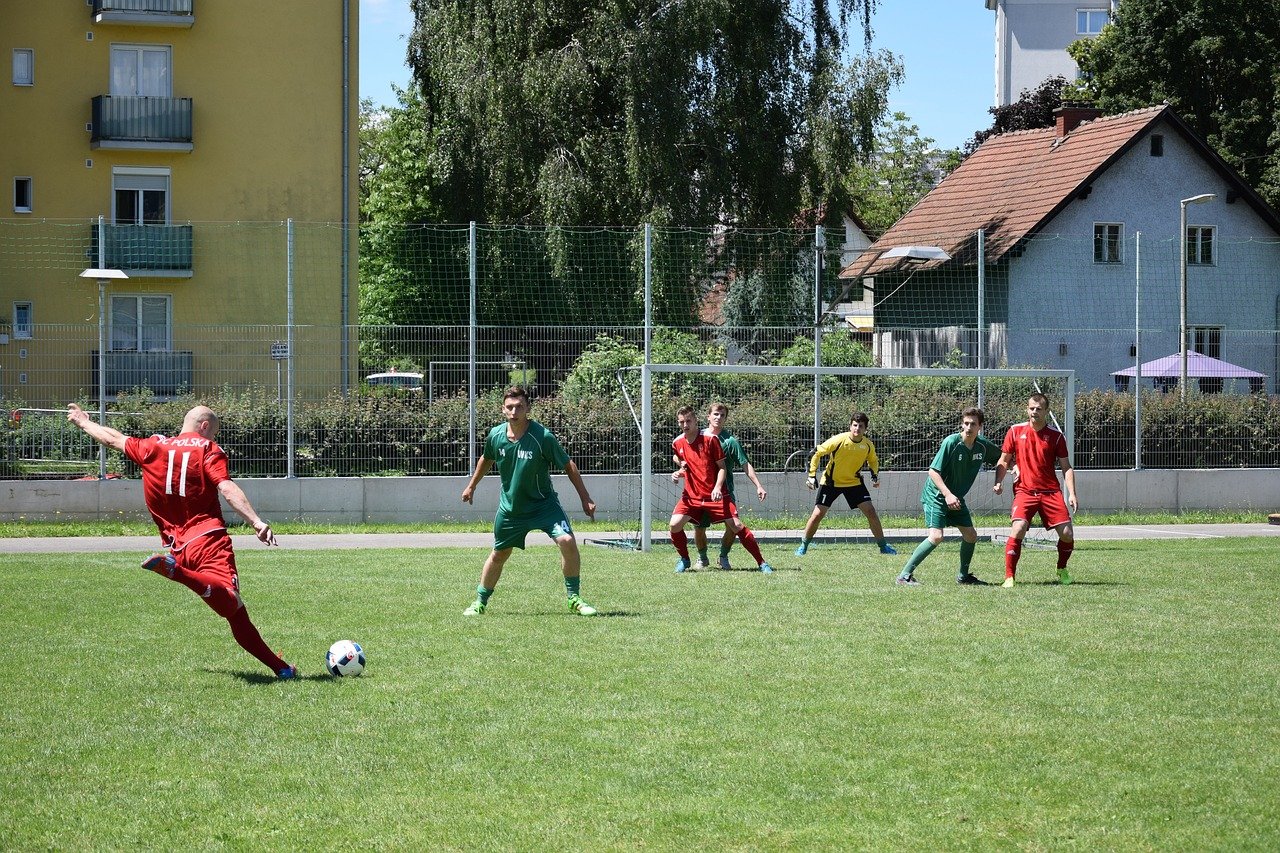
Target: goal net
781	413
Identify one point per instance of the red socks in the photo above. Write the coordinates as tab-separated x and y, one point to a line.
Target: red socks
251	641
1011	555
681	541
749	542
1064	552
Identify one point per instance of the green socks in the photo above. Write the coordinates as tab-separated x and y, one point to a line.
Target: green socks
482	594
572	584
966	556
922	550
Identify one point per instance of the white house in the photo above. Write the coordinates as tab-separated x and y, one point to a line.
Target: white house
1032	38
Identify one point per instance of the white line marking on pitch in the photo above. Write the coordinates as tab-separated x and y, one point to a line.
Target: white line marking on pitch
1178	532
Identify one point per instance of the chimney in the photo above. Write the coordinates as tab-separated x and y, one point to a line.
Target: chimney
1071	115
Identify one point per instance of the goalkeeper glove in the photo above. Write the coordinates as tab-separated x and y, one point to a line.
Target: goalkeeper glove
813	482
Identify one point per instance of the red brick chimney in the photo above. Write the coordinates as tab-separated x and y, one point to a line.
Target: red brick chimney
1071	115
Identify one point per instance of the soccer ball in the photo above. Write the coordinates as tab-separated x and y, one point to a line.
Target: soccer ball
344	658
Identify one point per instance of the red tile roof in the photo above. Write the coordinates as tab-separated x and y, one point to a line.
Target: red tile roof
1010	187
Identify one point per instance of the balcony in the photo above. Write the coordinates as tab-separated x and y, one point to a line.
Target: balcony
165	374
144	251
145	13
141	123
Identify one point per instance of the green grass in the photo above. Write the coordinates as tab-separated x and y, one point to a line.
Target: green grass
820	708
839	519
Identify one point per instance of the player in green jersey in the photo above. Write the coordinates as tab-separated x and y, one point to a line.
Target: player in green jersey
525	452
735	459
951	473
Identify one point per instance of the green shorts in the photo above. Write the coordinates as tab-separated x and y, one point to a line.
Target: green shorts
937	516
509	530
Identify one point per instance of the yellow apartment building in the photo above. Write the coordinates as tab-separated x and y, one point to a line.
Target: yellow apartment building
172	140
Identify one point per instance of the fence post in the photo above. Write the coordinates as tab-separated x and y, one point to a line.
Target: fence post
646	399
288	406
102	346
1137	351
472	333
819	243
982	300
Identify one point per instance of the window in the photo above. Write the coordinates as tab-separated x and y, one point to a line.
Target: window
24	66
22	320
1089	22
141	70
1157	145
1106	242
21	195
140	324
1200	245
140	196
1206	340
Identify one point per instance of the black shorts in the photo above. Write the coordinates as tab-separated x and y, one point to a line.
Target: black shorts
855	495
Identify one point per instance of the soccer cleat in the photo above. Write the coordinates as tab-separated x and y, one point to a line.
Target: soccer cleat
477	608
971	580
803	549
907	581
1063	577
682	565
766	568
886	548
1008	583
161	564
724	562
288	673
577	605
703	563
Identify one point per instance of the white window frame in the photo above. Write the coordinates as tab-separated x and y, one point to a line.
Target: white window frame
167	345
1205	236
139	50
23	208
1085	18
29	78
1103	257
23	326
142	179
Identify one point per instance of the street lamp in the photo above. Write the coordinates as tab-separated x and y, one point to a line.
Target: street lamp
1182	295
104	277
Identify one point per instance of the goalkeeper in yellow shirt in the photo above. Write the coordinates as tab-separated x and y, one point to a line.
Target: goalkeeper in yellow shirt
847	454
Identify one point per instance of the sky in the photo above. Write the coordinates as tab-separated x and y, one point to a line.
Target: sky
947	47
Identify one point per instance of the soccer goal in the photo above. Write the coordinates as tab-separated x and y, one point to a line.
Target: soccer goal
780	414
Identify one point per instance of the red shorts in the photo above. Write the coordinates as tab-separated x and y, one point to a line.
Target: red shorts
1050	505
706	511
210	556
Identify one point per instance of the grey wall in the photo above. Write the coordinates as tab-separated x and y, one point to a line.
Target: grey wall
1031	43
386	499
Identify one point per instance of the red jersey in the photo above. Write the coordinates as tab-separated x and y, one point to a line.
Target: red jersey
180	478
1036	454
699	457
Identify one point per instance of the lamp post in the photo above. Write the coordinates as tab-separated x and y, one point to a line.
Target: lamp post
1182	291
104	277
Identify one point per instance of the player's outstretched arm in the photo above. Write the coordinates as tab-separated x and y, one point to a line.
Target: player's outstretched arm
98	432
240	503
482	468
751	475
575	477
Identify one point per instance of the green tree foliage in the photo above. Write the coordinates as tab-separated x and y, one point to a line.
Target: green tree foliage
1033	109
902	169
1213	61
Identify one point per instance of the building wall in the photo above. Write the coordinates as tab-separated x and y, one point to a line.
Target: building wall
267	89
1056	285
1031	42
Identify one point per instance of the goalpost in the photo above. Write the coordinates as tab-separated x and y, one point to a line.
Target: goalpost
780	413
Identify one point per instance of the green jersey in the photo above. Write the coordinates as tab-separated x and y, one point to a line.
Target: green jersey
959	466
525	467
735	458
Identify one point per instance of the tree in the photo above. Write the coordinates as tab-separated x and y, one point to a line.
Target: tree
1213	61
904	167
1033	109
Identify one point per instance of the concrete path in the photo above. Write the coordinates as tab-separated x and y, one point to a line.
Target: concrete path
352	541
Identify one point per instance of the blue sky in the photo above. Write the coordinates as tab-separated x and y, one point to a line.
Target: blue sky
947	47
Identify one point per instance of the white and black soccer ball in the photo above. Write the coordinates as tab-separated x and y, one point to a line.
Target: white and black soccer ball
344	658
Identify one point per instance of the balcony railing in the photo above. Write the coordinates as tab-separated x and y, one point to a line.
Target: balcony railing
141	249
153	13
165	374
142	122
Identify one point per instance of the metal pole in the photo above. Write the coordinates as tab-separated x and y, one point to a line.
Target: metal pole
288	404
102	345
472	383
646	400
982	304
819	243
1137	351
1182	298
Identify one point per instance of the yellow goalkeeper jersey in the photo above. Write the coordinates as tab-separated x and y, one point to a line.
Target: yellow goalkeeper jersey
848	456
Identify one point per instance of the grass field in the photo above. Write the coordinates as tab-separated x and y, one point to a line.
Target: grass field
820	708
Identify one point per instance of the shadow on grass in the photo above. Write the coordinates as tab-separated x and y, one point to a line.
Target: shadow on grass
264	678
